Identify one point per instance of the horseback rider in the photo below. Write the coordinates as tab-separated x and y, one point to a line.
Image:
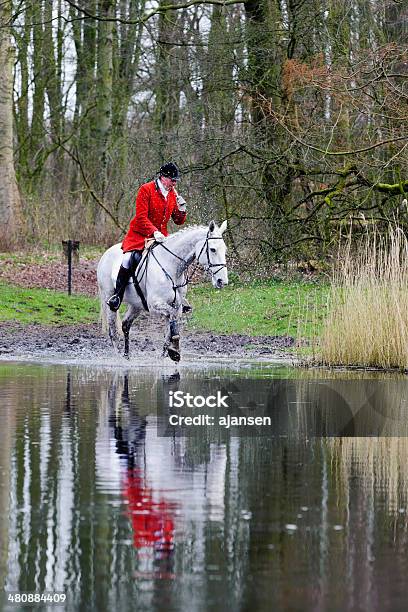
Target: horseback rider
156	202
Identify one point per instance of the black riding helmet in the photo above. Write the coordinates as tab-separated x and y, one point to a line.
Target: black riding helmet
170	170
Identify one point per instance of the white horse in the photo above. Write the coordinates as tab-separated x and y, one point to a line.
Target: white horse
163	279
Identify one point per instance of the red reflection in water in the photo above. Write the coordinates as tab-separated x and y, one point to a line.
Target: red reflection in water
152	522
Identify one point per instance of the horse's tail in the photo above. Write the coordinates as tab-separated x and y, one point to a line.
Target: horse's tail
103	319
106	288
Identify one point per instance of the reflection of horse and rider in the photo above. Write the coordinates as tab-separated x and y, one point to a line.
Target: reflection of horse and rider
152	519
161	266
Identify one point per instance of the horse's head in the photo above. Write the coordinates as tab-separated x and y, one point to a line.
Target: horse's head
211	254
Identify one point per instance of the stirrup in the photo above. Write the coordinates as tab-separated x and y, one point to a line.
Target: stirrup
114	302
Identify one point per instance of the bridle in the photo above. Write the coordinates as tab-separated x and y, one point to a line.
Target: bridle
188	278
209	266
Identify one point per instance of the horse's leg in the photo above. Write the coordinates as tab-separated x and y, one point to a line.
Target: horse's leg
172	339
186	306
113	330
173	348
128	319
171	345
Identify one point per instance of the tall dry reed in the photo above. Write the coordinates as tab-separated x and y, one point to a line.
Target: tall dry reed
381	461
367	321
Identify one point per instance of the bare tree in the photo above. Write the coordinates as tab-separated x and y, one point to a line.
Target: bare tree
10	207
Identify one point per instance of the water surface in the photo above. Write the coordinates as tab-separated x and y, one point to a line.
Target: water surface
95	504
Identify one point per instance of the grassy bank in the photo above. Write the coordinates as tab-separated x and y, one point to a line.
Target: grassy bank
274	308
45	306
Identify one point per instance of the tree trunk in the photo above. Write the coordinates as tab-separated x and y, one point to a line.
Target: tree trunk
127	40
37	122
52	70
22	125
218	86
167	82
84	38
102	130
10	205
263	22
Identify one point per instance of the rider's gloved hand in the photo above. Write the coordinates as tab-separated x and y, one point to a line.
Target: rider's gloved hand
158	236
181	203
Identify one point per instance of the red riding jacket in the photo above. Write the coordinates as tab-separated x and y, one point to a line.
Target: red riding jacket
153	212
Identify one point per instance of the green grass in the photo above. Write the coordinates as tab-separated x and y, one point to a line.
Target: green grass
260	309
46	307
269	309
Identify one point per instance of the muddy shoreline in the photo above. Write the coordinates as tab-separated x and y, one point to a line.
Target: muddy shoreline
87	343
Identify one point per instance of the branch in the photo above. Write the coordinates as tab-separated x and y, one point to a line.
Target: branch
342	153
395	189
159	10
289	245
334	153
90	190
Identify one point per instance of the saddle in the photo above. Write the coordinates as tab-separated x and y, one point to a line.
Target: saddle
135	261
134	264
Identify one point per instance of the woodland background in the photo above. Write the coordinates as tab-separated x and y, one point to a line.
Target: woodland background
287	117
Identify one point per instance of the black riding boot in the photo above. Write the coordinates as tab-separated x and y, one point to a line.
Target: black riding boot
122	280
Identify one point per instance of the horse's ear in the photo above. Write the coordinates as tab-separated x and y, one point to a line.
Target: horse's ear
223	227
211	227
